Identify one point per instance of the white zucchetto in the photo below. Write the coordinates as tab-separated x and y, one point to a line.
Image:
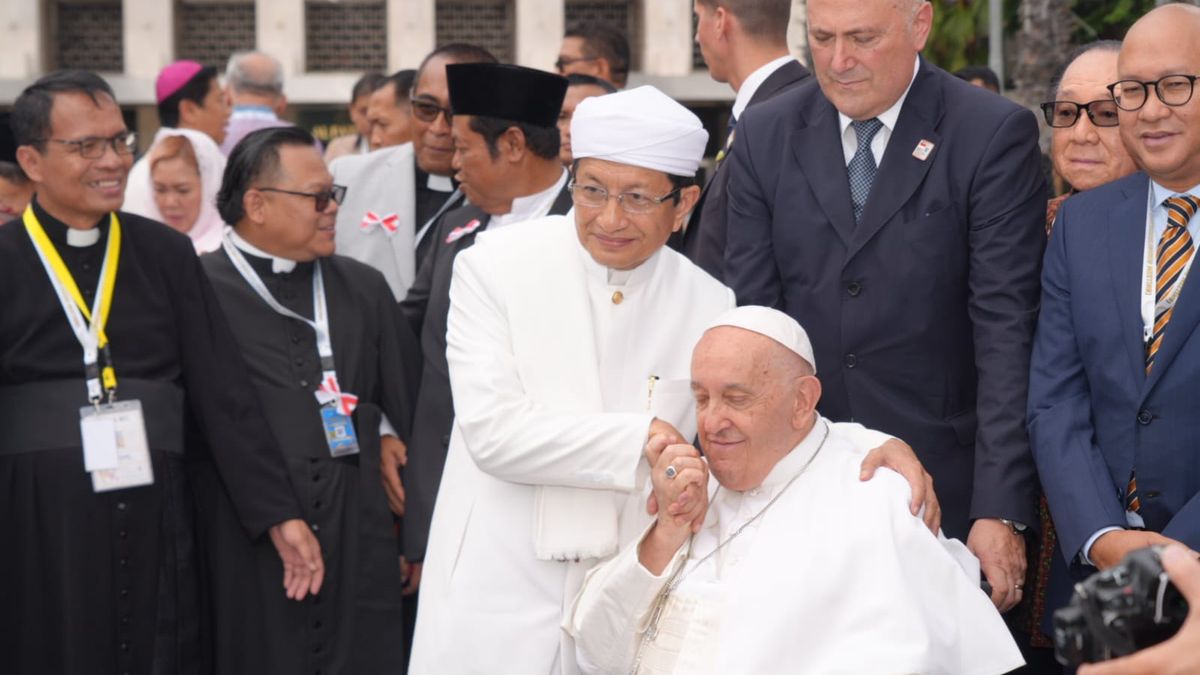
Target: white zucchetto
639	127
770	323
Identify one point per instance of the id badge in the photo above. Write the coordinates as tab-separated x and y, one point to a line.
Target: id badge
115	450
339	431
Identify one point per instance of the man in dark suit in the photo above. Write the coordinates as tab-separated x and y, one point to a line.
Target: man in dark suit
1114	381
919	285
506	159
744	43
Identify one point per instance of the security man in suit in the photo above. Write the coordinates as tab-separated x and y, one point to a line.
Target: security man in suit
744	43
897	212
506	160
1116	362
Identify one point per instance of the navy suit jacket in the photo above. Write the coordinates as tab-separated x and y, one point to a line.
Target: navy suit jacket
703	241
1093	412
922	315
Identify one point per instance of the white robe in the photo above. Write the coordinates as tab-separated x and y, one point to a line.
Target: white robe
836	576
551	391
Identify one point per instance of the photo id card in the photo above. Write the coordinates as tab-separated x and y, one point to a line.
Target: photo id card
115	450
339	431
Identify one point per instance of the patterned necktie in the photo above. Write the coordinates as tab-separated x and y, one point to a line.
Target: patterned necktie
1175	250
861	168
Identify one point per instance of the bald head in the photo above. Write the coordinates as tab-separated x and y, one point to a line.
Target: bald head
755	401
254	78
1163	138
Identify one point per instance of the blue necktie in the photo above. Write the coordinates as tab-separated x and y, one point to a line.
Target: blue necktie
861	168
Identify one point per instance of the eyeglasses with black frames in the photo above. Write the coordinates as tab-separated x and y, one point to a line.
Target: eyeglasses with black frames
427	111
1172	90
321	199
1062	114
92	147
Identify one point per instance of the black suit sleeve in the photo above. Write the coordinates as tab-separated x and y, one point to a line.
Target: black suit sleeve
416	302
750	268
222	400
1006	238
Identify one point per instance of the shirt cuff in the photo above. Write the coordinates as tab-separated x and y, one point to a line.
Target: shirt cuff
1087	546
386	428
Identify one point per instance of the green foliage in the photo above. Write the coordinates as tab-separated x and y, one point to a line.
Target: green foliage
959	34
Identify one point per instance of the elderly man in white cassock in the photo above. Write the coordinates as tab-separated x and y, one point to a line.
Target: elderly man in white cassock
797	566
567	346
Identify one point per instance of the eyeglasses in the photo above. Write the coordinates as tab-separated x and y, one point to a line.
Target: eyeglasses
562	63
1062	114
1172	90
427	111
93	148
336	194
596	197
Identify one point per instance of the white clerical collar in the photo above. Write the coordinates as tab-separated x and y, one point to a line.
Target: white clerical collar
751	84
439	183
890	116
798	458
530	206
82	238
278	265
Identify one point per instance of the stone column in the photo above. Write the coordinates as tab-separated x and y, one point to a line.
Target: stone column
539	32
21	33
667	37
798	31
280	32
149	36
411	32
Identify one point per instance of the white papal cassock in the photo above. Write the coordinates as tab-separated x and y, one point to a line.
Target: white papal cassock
551	362
836	576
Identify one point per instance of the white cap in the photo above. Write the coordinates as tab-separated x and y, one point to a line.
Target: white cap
639	127
771	323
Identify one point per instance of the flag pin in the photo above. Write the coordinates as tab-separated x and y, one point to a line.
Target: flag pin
922	150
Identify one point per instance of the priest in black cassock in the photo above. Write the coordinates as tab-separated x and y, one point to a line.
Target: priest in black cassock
325	344
506	161
111	342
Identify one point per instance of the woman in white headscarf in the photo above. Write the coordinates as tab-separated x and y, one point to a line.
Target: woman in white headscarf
184	179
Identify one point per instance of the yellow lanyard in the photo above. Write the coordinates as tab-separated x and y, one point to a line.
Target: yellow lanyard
87	323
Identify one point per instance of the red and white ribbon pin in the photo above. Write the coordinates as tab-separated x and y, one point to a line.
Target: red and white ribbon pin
390	222
462	231
329	390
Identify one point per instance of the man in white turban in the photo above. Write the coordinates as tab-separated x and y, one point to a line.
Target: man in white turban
567	350
797	566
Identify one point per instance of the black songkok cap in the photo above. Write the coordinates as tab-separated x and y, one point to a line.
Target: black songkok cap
506	92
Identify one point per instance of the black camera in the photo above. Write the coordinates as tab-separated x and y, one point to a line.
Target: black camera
1119	611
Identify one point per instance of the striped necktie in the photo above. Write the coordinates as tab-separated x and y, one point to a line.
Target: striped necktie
1175	251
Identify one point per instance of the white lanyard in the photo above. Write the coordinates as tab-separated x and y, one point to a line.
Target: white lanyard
87	333
320	320
1150	308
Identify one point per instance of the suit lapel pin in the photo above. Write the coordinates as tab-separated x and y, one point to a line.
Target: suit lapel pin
923	149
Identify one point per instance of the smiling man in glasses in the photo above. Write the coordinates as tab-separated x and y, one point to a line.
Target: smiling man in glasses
1116	360
112	344
397	192
324	345
567	351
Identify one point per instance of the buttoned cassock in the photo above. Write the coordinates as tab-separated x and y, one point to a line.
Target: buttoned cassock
550	359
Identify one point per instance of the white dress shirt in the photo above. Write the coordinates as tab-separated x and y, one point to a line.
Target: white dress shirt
888	117
531	206
754	81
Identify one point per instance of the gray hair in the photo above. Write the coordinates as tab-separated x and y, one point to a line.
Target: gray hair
1097	46
254	73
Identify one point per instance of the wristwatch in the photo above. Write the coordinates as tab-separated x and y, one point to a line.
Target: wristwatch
1017	528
